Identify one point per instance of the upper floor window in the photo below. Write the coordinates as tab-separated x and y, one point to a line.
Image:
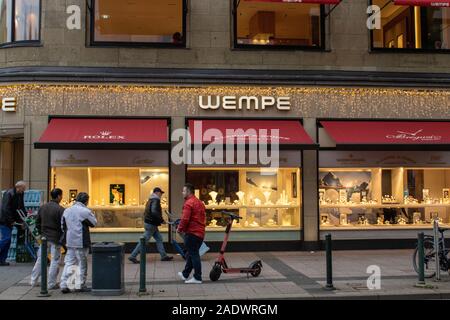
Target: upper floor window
19	21
409	27
139	22
278	24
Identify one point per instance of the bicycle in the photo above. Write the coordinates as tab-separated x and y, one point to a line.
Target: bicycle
430	255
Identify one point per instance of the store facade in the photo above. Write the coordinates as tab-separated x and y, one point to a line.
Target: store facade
117	142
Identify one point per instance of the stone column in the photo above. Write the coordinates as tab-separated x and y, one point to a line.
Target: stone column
310	191
177	173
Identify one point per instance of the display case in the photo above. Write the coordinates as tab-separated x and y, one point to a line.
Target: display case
266	199
117	194
383	197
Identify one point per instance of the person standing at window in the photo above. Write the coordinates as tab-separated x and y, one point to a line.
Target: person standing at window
49	225
152	220
75	223
11	202
192	224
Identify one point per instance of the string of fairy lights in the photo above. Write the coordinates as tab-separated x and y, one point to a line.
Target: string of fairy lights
305	101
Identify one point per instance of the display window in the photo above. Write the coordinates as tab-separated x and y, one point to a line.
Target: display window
118	193
278	24
412	27
266	199
405	189
19	21
139	22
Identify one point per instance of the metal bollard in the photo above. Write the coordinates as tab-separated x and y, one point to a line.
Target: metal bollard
142	288
328	249
421	260
436	248
44	289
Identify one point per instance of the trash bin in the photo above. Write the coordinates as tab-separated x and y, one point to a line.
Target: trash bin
108	269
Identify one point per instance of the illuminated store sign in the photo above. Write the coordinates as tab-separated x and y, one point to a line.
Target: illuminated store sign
244	102
9	104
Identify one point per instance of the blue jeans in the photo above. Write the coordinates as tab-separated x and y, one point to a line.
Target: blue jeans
193	244
5	242
151	231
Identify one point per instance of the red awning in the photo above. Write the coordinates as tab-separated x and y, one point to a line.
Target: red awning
301	1
383	133
69	132
423	3
291	132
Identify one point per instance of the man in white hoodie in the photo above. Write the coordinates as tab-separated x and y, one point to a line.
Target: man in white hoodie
75	222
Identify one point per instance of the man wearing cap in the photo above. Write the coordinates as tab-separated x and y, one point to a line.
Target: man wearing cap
152	220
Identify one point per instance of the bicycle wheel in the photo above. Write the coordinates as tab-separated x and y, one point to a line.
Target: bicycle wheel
429	259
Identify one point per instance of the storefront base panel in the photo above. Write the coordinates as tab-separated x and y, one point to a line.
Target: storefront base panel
124	237
263	236
237	246
374	240
239	241
373	234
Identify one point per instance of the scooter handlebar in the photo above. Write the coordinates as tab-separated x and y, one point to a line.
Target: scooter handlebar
232	215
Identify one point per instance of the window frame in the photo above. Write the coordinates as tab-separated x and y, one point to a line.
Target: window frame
118	44
373	49
237	46
22	43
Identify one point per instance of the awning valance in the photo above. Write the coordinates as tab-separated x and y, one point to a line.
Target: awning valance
398	134
83	133
290	132
423	3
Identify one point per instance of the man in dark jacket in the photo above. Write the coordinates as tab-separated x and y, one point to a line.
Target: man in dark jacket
49	224
152	220
11	202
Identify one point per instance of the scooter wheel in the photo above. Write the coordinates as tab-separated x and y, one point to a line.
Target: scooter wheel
215	273
257	271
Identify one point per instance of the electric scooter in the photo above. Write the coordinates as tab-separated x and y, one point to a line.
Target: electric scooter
221	266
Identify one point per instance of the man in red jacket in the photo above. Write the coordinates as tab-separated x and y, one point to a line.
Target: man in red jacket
192	224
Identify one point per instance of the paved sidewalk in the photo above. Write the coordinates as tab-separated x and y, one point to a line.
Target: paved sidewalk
285	275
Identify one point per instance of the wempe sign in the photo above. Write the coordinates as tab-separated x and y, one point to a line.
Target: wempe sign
244	102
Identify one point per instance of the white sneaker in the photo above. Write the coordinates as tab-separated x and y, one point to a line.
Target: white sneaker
193	281
180	274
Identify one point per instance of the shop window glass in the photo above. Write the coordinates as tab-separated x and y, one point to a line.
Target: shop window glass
117	194
410	27
264	201
383	197
270	24
139	21
25	17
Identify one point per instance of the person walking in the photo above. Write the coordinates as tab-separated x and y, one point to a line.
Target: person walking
192	224
11	202
48	223
75	223
152	220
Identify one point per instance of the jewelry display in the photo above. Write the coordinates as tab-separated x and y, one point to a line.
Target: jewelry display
241	195
213	195
267	194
